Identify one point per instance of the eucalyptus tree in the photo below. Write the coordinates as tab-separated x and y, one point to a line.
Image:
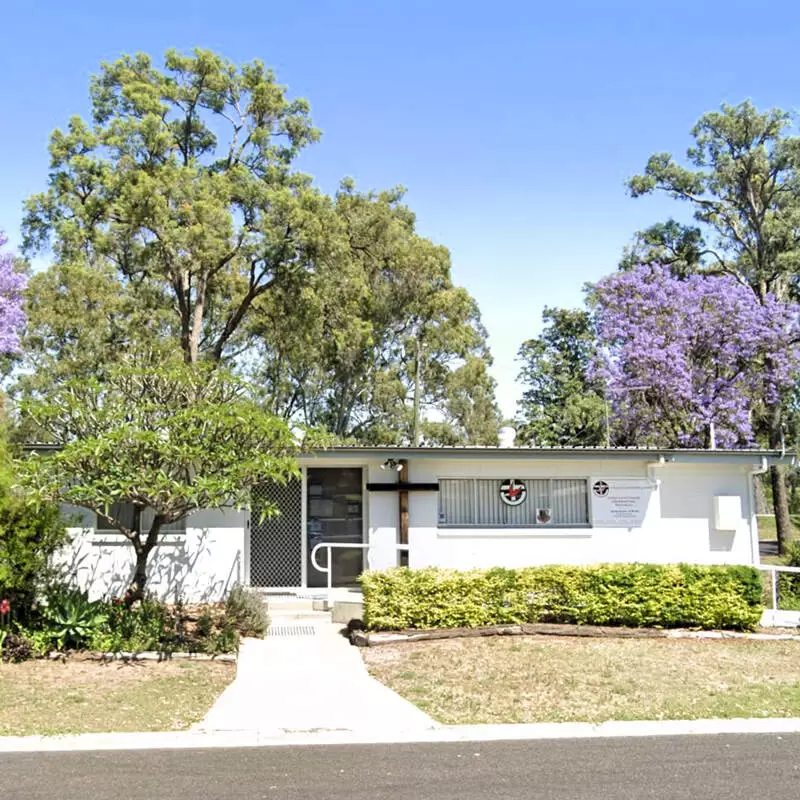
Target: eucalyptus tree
182	187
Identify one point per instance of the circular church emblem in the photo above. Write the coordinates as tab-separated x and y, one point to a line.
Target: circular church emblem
600	488
513	492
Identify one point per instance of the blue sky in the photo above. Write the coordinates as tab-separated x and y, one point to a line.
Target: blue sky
512	124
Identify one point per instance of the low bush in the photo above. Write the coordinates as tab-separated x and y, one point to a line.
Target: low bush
70	617
636	595
789	583
148	625
246	611
28	539
15	647
65	619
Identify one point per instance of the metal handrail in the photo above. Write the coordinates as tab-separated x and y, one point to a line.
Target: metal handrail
774	569
342	546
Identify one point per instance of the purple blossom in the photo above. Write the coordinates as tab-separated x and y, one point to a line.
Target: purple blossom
12	286
677	355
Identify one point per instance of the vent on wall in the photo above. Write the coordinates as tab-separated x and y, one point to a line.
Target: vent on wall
727	512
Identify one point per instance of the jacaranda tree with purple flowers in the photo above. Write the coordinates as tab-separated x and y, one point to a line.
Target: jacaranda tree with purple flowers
12	286
678	355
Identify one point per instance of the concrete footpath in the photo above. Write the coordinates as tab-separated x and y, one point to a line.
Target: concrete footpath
307	678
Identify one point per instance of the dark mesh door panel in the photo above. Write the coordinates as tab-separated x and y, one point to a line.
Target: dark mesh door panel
276	542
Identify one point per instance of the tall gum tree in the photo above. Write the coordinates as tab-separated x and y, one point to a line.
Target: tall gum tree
743	187
378	342
561	404
183	185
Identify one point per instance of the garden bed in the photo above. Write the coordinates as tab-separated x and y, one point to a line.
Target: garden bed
67	621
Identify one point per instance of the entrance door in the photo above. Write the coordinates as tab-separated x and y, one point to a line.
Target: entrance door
335	514
276	543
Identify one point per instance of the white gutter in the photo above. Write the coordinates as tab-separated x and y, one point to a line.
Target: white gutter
754	546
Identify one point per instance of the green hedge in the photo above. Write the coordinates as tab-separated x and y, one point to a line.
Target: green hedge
637	595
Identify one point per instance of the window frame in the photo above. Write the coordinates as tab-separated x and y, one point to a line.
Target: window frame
524	528
166	530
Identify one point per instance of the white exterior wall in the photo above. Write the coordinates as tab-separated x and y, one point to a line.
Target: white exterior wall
677	527
198	566
202	564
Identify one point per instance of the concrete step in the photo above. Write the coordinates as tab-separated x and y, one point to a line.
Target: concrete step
311	616
291	604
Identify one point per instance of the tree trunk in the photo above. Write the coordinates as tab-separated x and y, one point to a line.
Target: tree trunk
136	589
777	474
415	430
142	548
780	502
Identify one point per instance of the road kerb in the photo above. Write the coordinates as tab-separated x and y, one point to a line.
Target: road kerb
447	733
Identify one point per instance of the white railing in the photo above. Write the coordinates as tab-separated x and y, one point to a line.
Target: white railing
774	569
328	568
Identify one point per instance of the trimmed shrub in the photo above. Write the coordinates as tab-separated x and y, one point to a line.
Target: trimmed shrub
635	595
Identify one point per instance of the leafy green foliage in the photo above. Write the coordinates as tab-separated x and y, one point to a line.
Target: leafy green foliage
670	244
246	611
560	404
70	617
179	224
636	595
378	338
172	439
183	185
149	625
29	536
788	583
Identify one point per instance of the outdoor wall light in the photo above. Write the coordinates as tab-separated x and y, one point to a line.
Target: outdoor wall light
391	464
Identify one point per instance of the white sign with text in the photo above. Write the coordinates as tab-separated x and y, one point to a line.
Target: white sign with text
619	502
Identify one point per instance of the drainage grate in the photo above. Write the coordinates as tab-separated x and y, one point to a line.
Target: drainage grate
291	630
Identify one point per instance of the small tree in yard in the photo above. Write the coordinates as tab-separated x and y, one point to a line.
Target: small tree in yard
172	440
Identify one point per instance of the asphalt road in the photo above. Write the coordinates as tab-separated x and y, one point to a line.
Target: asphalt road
697	767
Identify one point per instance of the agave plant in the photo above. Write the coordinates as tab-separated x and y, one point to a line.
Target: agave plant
72	617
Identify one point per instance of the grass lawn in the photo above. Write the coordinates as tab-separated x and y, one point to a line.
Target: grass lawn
538	679
50	697
766	527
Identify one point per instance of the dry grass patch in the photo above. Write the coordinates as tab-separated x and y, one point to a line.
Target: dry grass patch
531	679
51	697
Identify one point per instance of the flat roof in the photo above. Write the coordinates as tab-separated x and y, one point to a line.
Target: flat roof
681	455
677	455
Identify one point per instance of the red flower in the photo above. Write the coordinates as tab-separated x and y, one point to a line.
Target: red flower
5	606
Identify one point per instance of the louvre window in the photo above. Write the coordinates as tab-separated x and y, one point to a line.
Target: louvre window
548	502
124	513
